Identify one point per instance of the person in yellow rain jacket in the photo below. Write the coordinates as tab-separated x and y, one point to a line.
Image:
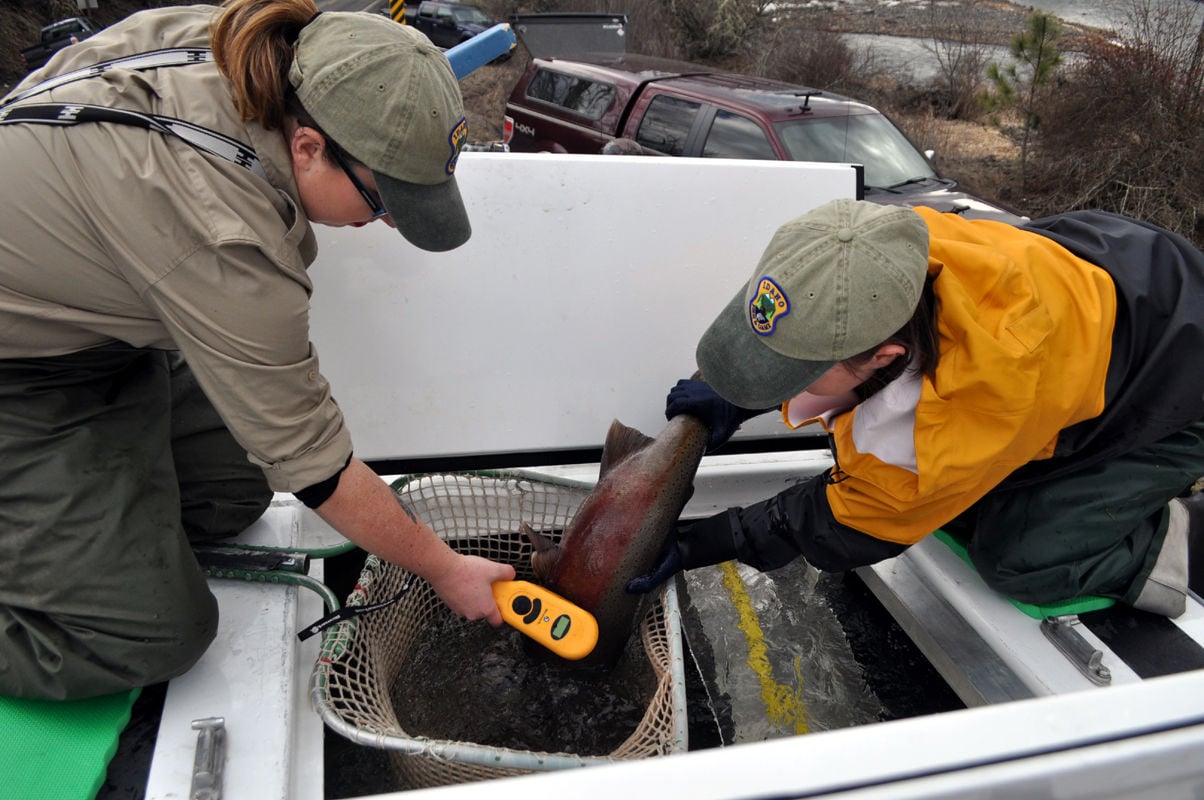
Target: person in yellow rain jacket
1034	389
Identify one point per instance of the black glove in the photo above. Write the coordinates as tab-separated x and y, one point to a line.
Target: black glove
693	544
669	566
699	400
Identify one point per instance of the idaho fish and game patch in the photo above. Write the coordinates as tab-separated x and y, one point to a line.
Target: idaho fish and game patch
769	304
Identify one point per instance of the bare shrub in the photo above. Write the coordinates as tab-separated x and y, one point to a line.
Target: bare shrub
1170	31
803	55
1122	134
717	29
958	43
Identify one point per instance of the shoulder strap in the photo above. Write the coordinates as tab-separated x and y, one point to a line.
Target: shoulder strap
199	137
209	141
153	59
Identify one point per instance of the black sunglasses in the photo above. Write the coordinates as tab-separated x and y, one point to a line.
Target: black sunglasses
371	199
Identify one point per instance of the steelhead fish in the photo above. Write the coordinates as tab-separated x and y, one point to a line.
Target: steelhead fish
622	527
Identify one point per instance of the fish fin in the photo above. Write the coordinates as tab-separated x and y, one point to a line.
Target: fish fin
546	555
621	441
537	539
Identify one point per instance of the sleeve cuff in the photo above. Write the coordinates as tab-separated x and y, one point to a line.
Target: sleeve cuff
319	493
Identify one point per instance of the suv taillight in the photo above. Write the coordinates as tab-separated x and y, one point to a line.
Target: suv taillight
507	129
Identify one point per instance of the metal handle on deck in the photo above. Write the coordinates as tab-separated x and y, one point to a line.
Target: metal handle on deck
209	760
1086	659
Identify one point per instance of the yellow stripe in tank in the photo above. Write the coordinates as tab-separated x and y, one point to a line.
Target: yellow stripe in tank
785	705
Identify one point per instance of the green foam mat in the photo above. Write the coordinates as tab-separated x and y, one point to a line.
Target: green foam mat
1078	605
59	750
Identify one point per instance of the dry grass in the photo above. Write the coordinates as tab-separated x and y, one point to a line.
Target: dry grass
981	157
485	92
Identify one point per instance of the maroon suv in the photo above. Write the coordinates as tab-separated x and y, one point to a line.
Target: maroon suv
676	108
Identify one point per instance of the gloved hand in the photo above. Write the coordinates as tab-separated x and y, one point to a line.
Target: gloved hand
670	565
693	544
699	400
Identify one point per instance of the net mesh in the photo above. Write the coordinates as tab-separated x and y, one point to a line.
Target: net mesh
362	658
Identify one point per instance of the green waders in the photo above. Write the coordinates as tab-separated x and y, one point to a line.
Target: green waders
113	460
1098	531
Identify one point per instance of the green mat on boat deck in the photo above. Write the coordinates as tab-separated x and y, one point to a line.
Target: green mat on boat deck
1079	605
59	750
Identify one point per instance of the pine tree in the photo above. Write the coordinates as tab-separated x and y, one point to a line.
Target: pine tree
1037	56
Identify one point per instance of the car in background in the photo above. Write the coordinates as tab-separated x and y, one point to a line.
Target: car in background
55	37
448	24
578	104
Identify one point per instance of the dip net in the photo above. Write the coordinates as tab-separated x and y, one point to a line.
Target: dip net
364	658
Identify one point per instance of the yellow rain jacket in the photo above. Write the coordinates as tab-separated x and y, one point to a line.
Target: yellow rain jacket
1025	338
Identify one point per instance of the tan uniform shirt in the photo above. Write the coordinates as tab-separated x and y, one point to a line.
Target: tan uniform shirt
112	232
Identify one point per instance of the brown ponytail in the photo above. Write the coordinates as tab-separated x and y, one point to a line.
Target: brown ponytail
252	42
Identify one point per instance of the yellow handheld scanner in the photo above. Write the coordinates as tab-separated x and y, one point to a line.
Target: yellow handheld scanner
567	630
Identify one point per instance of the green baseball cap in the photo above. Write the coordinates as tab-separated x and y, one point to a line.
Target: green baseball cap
389	97
832	283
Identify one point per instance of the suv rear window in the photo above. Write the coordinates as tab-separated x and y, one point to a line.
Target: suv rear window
736	136
666	124
582	96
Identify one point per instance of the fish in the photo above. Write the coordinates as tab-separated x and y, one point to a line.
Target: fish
622	528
